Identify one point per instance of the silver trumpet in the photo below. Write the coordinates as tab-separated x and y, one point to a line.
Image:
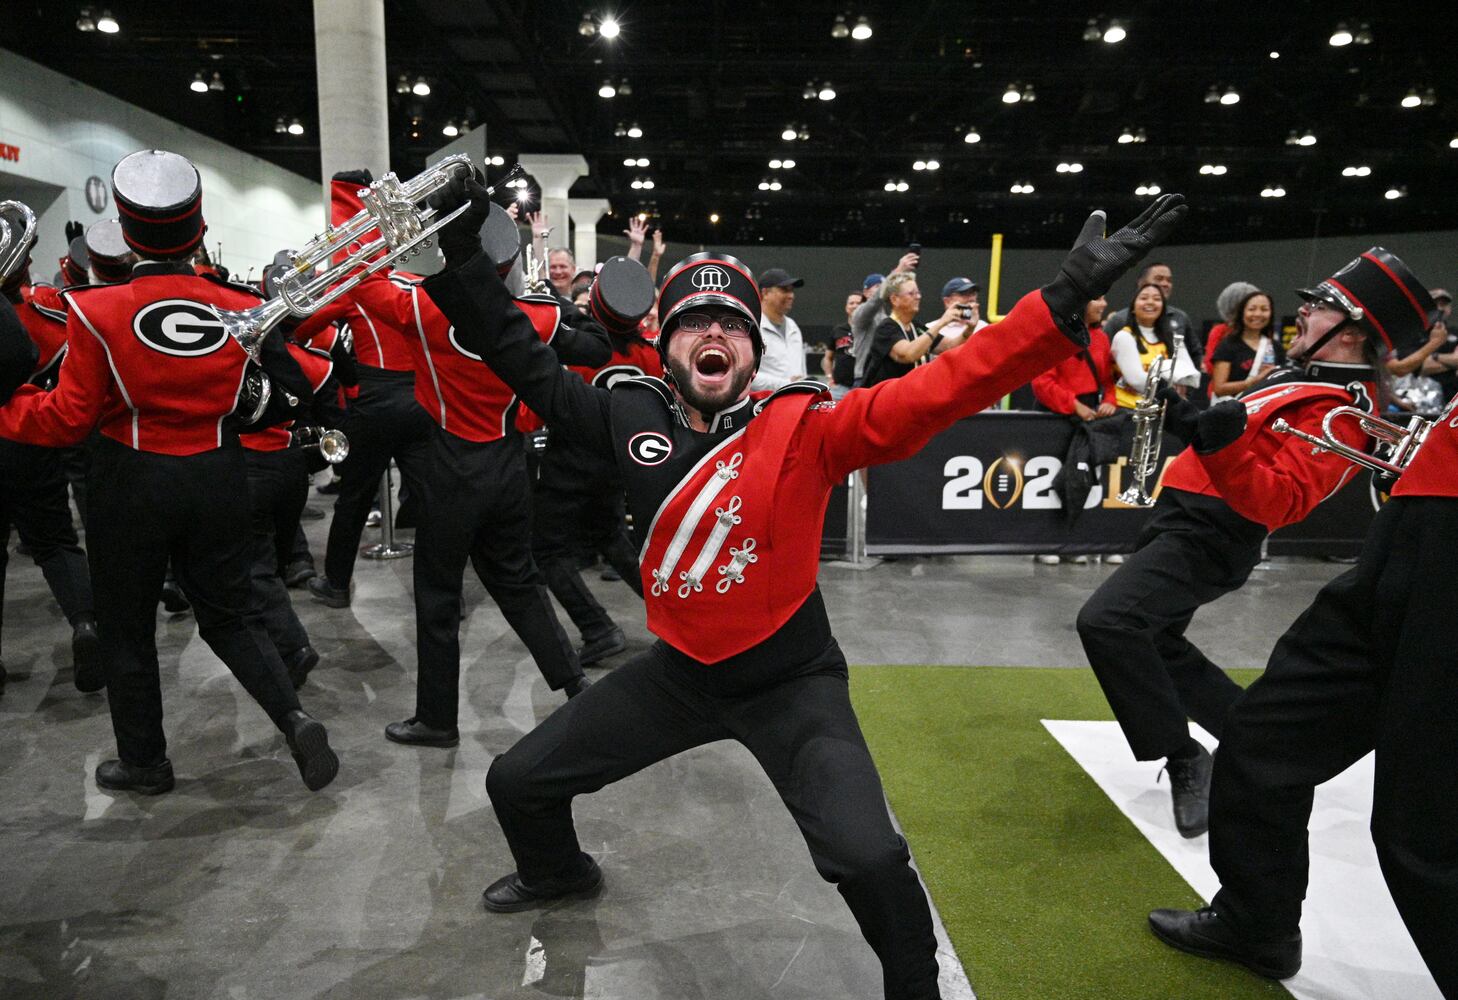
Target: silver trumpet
1149	430
332	443
17	237
406	223
1403	442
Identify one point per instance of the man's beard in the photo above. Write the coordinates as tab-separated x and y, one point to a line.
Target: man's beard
708	405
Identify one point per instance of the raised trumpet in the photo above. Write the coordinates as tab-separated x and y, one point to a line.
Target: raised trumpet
1149	430
332	443
1404	441
17	237
400	211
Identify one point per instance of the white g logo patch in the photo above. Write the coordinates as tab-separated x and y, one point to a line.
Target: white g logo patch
649	448
180	327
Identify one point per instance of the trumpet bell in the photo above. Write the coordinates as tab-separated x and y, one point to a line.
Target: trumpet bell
333	446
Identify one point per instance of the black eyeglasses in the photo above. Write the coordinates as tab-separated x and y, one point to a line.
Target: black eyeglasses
733	326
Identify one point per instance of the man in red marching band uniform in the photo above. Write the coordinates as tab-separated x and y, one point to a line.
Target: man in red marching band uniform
151	363
1370	665
728	491
1238	481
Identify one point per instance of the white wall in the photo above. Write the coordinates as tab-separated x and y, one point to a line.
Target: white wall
68	132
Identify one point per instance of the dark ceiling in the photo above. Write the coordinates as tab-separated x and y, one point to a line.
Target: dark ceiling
713	84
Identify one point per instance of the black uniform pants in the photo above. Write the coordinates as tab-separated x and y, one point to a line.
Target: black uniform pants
802	730
568	523
384	422
1372	664
476	507
33	498
278	486
1193	550
146	509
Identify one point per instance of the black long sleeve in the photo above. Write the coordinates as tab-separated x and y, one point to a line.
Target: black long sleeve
17	352
488	323
582	341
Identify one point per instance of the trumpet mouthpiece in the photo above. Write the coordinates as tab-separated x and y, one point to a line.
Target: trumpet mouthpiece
1280	426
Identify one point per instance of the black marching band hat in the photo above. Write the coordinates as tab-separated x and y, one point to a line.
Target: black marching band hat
76	265
159	197
111	257
500	239
709	279
622	294
282	261
1383	297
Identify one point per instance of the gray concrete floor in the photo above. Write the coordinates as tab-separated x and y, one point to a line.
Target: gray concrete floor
242	884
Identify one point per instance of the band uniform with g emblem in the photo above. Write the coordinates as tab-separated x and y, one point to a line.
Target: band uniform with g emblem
33	489
1239	480
476	501
150	362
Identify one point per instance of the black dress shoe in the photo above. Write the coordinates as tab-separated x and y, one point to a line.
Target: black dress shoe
309	741
86	657
173	599
413	732
299	663
602	647
298	573
1189	782
329	488
311	514
610	574
1202	932
510	894
119	776
327	594
576	686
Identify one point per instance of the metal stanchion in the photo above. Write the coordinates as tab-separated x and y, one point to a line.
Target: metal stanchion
387	548
855	521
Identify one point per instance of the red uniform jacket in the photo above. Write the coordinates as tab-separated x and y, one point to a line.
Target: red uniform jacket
1272	478
42	312
148	359
1060	386
317	368
1433	471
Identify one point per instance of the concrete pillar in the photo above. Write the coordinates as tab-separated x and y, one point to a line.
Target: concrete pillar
556	173
585	215
354	116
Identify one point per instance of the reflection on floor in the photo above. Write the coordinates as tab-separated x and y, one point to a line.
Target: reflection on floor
242	884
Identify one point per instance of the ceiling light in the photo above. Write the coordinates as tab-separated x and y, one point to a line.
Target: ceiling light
1028	95
625	89
1275	54
775	185
1453	142
607	91
620	131
642	161
1147	189
198	84
889	186
634	132
788	134
1363	35
1091	33
87	20
106	24
610	28
523	195
1126	136
1411	100
1021	189
450	130
810	91
280	127
630	162
803	134
1231	96
1215	169
402	84
764	185
1115	33
972	136
1012	95
1273	192
1394	193
862	30
788	164
217	81
1356	171
498	161
902	186
1429	98
638	183
586	27
1340	37
933	165
1069	168
1307	138
420	88
714	218
919	165
839	28
296	127
827	92
775	164
1212	96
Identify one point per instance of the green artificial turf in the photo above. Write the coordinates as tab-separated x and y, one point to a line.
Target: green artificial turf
1042	883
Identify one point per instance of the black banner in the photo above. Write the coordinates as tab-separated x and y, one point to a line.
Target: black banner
985	485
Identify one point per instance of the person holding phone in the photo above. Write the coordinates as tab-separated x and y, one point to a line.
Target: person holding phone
963	294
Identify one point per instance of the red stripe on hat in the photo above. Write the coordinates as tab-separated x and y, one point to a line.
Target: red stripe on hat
1366	313
196	208
1422	314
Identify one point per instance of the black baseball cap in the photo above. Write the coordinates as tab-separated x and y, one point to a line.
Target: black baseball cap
778	277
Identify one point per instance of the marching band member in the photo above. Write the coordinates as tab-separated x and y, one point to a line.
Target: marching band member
1368	666
151	362
728	491
1237	482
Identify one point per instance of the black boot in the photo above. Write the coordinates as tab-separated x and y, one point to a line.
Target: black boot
1189	783
298	573
576	686
328	594
88	675
510	894
1202	932
119	776
174	601
299	663
309	742
608	644
413	732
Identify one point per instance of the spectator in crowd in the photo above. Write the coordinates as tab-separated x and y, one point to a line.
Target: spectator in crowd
1415	360
1179	322
898	344
1443	363
1148	334
784	347
636	233
872	311
962	293
839	363
1081	386
1249	350
561	268
1225	304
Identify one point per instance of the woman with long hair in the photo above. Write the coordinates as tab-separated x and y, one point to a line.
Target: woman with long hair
1249	350
1146	336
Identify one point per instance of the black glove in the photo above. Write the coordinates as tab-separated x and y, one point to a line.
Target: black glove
1181	417
460	240
1220	425
1097	261
361	177
73	230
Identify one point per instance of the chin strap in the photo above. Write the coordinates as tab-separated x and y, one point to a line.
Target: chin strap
1325	339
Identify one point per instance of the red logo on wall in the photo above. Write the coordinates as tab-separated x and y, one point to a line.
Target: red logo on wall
9	152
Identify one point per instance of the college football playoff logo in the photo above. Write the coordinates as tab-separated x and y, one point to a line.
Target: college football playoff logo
1003	483
649	448
180	327
711	278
